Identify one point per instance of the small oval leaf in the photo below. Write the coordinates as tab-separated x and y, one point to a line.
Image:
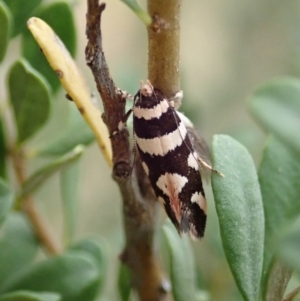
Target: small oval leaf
97	248
240	212
182	267
41	175
279	175
21	13
72	81
18	246
60	17
30	98
5	28
30	296
6	200
276	105
72	275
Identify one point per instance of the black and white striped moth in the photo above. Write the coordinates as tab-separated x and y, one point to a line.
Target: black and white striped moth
169	160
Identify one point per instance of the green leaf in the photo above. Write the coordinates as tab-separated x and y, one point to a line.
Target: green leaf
97	248
5	21
240	212
2	151
72	275
18	246
276	105
182	267
124	282
30	98
21	13
69	180
289	245
279	175
77	133
6	200
144	16
60	17
41	175
30	296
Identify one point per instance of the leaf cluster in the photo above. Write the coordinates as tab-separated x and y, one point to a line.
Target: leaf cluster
78	272
259	210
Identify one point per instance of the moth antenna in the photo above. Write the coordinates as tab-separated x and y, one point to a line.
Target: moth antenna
149	83
198	159
204	164
124	94
178	129
129	96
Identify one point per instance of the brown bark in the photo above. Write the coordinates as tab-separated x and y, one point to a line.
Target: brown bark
139	204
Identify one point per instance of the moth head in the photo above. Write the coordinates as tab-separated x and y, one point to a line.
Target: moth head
146	89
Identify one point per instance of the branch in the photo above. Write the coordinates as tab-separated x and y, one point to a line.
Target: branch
278	281
292	294
164	42
38	223
139	204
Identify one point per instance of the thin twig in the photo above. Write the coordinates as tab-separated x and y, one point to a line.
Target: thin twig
139	205
40	227
292	294
278	281
38	223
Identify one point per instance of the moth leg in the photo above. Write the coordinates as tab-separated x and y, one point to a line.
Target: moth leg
126	116
122	122
175	100
205	165
124	94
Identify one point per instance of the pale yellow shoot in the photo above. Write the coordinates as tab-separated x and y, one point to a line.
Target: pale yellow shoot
70	76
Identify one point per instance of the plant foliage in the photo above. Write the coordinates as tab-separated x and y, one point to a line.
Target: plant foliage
258	210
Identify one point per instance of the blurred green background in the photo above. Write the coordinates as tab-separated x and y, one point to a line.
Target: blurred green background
228	48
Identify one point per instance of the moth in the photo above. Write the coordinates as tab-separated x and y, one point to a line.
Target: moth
169	160
162	137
